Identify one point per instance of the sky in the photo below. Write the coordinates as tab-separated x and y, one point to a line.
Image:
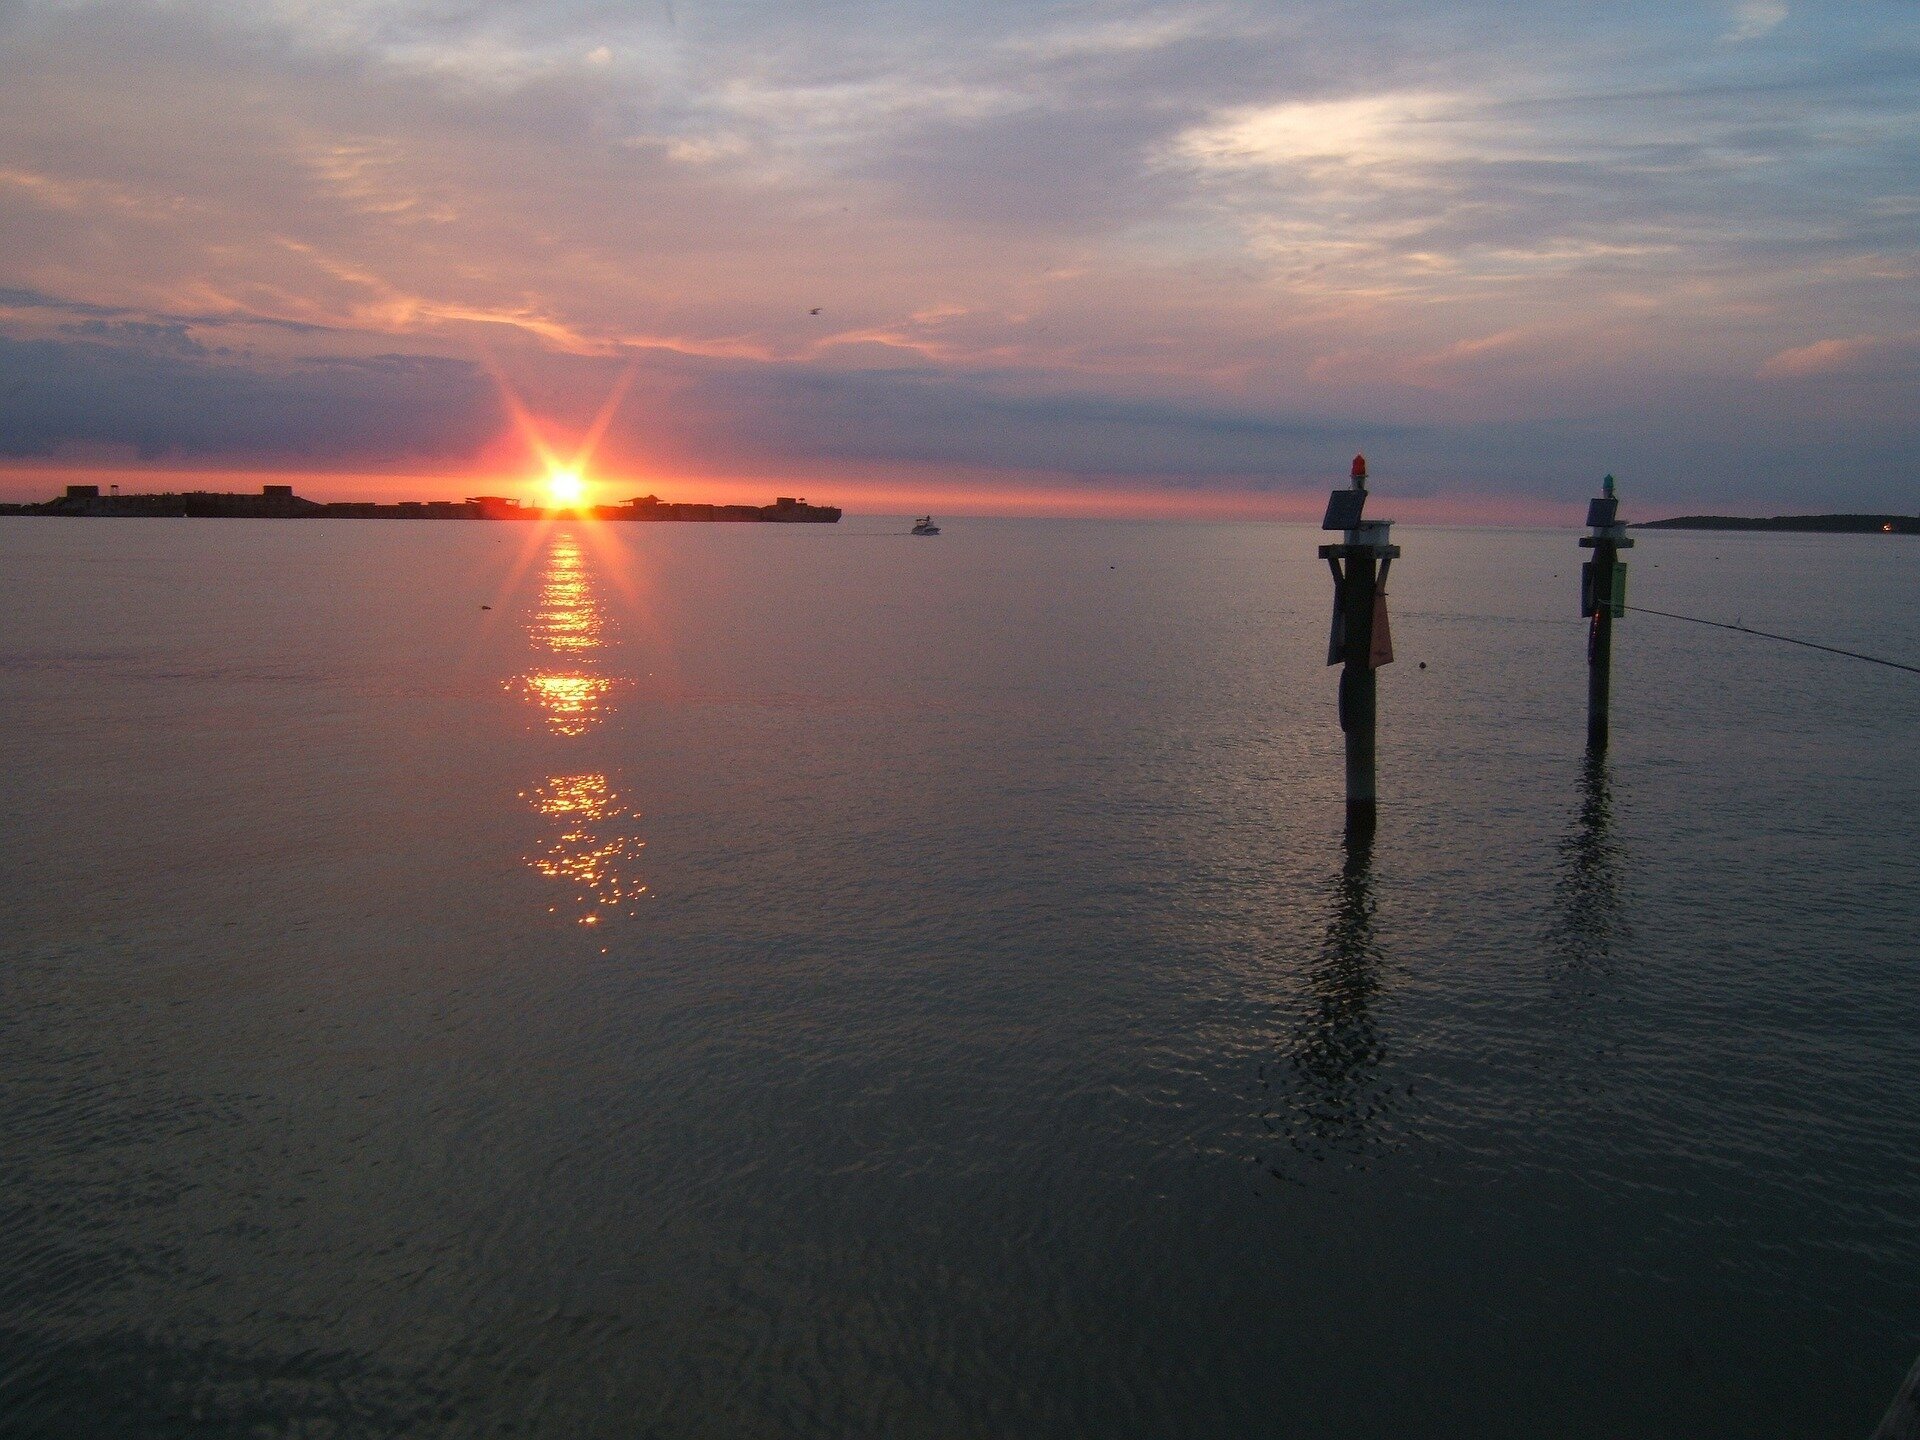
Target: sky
1101	257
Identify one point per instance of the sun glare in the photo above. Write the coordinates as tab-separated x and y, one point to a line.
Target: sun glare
565	488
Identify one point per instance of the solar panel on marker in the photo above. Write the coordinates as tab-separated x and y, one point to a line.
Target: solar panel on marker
1343	509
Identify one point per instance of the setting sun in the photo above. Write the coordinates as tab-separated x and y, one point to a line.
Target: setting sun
566	487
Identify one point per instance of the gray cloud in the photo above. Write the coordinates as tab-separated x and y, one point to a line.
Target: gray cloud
154	390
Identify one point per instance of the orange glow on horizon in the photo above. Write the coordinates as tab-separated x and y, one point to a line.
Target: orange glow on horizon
565	475
859	490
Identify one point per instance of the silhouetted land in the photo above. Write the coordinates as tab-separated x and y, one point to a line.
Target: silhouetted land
1829	524
278	502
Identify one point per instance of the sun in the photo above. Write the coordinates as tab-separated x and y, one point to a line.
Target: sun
566	488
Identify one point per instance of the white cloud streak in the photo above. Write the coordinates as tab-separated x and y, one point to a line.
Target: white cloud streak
1755	19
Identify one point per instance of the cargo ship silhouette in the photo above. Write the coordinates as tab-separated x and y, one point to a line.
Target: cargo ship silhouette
278	502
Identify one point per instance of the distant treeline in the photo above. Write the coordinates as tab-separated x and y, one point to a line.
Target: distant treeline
1826	524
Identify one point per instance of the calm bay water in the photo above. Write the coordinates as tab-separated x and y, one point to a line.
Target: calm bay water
802	981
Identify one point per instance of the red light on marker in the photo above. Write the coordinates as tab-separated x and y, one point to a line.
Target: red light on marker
1359	467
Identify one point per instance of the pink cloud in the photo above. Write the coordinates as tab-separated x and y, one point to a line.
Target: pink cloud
1873	357
1823	357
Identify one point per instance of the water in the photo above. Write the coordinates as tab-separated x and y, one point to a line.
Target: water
790	981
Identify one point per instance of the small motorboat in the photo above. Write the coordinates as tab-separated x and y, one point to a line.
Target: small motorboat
925	526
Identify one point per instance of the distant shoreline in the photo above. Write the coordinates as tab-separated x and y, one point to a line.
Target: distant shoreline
1806	524
278	502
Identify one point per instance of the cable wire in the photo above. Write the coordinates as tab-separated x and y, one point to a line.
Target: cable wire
1769	635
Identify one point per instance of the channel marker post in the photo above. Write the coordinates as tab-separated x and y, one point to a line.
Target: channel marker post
1603	599
1359	640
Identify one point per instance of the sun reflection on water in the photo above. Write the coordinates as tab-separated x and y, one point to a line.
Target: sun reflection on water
592	846
569	622
572	703
593	849
567	618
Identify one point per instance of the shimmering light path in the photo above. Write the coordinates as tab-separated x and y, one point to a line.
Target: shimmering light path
593	849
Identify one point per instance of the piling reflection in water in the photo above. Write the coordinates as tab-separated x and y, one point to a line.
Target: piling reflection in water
594	847
1326	1098
1588	891
569	622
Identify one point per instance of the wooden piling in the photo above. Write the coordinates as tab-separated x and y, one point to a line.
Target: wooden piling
1359	565
1602	600
1359	689
1600	660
